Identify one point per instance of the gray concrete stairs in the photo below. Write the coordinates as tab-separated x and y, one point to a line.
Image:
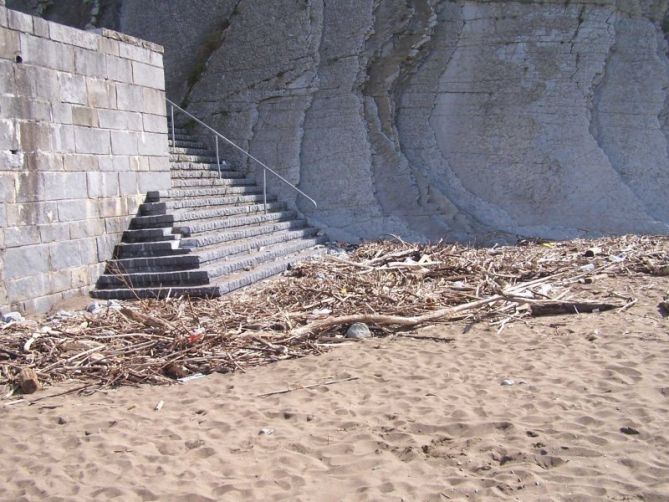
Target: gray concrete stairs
207	235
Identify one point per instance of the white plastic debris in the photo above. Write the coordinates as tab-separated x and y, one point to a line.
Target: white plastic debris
12	317
508	381
588	268
266	431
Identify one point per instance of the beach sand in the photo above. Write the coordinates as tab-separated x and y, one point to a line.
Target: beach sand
424	419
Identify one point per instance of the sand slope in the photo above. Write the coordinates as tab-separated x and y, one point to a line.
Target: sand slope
426	420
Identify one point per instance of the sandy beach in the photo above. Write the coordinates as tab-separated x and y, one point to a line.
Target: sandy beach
424	417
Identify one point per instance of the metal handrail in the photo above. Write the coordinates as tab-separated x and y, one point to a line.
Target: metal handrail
231	143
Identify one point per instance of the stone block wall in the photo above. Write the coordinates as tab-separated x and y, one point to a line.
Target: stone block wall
83	137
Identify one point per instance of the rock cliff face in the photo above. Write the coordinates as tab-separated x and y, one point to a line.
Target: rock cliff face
470	120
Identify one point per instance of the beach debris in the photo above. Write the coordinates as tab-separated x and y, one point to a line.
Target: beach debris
593	251
629	430
28	381
358	330
189	378
508	382
12	317
391	286
160	405
302	387
588	267
174	370
94	308
265	431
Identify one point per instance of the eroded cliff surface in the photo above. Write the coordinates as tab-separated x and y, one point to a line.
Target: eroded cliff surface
469	120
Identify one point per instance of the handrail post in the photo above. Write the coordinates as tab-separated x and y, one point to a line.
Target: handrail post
174	139
264	188
218	159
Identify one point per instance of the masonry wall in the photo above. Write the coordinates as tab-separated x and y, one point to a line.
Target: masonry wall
83	137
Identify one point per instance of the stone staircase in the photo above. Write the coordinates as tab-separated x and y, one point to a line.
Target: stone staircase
205	236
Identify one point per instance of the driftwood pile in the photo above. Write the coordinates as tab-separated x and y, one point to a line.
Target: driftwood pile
390	285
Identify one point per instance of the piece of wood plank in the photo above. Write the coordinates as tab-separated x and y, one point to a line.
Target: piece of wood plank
28	381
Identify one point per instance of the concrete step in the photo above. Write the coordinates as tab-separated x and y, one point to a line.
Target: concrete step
195	202
153	264
203	166
179	217
206	173
182	193
193	228
199	257
155	248
184	143
213	182
250	245
157	293
150	235
243	232
205	158
246	262
191	149
241	278
158	279
216	288
182	137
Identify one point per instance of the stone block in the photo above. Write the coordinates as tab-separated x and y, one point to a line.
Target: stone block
61	113
42	161
105	246
25	261
54	232
19	21
102	184
87	228
8	187
77	210
84	116
117	225
9	44
139	164
90	63
28	287
46	53
108	46
72	36
153	144
8	135
21	236
63	138
7	80
148	76
11	161
154	102
124	143
79	276
150	181
40	27
80	162
122	120
159	164
135	53
36	82
31	109
34	136
62	185
92	140
101	93
127	182
66	254
60	280
42	304
155	123
3	17
119	69
72	89
30	213
129	97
